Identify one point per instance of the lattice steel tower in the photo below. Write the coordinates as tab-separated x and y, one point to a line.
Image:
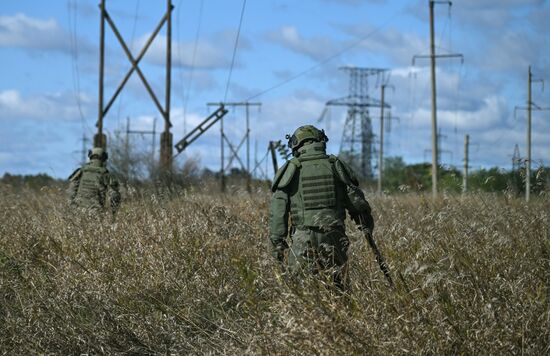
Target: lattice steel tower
357	146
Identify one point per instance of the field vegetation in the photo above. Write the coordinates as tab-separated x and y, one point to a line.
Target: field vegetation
190	273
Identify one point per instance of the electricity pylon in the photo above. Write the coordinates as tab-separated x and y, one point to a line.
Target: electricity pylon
356	145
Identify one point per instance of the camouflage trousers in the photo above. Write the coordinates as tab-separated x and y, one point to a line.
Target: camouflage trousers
318	251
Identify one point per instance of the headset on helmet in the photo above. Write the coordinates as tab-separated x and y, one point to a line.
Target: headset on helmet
305	133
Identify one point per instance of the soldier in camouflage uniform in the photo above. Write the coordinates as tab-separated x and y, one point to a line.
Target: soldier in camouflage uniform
315	189
92	184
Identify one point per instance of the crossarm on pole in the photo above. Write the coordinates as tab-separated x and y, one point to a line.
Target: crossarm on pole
201	128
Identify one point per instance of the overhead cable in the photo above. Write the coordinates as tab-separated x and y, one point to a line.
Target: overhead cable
234	51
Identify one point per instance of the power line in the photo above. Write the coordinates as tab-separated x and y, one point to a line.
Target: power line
432	56
180	56
131	49
234	51
326	60
187	92
424	90
72	11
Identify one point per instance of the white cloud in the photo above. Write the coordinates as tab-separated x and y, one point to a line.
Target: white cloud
314	47
51	106
21	31
511	50
493	111
211	53
398	46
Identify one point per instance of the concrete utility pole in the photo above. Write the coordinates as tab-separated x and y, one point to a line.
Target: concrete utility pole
466	162
249	173
432	58
222	168
166	137
516	159
440	151
528	161
529	109
127	149
381	150
434	104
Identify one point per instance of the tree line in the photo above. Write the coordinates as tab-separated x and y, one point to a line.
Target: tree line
402	177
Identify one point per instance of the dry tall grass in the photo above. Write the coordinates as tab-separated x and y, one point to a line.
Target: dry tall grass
192	275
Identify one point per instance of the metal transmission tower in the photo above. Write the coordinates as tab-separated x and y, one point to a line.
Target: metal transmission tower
356	145
166	136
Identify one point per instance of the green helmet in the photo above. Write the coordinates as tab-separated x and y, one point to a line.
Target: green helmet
305	133
99	153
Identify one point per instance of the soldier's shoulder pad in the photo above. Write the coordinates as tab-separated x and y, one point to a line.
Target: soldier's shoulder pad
284	174
345	173
75	175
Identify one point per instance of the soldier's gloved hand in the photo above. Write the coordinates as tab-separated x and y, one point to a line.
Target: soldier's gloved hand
278	251
364	221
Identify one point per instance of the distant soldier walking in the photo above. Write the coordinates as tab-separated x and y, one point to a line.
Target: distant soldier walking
315	189
91	185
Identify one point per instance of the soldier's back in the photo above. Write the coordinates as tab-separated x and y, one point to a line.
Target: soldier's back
91	187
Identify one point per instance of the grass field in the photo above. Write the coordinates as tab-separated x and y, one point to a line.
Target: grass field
193	275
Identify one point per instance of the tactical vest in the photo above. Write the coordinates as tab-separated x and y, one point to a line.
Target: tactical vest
91	185
317	201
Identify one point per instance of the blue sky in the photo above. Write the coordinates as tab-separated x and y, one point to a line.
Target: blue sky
49	74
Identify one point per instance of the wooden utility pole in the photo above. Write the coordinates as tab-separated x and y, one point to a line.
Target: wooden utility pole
272	145
234	149
466	163
381	150
432	56
129	132
166	137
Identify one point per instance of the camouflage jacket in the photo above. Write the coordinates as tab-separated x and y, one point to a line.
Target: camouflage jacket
315	190
91	185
